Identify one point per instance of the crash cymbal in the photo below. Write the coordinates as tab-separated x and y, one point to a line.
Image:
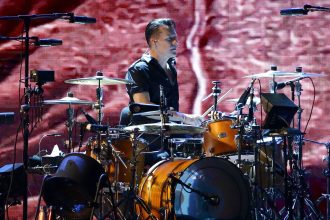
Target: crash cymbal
271	74
256	100
68	101
96	80
276	73
171	128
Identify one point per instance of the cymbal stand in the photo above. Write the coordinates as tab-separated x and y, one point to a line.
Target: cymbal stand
132	197
326	173
70	124
239	124
99	97
163	118
118	159
216	92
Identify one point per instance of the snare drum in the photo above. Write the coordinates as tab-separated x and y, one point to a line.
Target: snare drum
186	147
219	138
226	190
123	146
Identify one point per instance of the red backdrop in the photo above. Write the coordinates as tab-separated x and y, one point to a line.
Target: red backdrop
219	40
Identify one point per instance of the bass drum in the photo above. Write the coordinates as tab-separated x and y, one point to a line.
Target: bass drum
214	177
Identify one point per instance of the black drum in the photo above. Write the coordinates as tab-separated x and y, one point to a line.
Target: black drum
224	184
72	189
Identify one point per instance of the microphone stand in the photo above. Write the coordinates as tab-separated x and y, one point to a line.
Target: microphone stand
27	93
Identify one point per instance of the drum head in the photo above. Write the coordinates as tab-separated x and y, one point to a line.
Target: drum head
214	177
73	186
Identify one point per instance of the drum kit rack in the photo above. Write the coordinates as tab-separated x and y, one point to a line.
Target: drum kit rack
166	190
150	198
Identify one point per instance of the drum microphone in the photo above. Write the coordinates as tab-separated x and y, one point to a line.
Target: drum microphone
214	200
243	99
89	118
97	128
281	85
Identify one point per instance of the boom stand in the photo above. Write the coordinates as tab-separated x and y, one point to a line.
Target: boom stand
27	93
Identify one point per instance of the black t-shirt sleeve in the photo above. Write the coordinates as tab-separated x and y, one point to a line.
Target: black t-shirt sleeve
139	74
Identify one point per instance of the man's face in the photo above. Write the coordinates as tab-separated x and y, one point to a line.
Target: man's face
165	42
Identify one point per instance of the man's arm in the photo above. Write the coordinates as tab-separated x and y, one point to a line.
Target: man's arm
142	97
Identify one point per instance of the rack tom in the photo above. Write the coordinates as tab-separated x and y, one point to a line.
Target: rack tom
219	137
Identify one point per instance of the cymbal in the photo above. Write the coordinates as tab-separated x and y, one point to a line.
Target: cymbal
171	128
68	101
96	80
256	100
273	73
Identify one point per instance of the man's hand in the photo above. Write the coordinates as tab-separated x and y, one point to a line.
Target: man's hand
190	119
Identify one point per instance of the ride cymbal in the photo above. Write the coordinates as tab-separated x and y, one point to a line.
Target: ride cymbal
276	73
96	80
68	101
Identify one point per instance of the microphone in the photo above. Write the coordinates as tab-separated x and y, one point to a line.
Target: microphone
242	100
294	11
47	42
89	118
82	20
281	85
302	11
97	128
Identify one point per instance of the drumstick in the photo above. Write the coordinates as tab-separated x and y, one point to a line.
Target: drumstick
219	100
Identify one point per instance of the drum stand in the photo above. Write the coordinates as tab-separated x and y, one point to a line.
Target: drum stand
294	183
326	173
70	124
102	183
131	197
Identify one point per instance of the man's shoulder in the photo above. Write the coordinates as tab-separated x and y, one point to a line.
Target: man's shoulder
139	64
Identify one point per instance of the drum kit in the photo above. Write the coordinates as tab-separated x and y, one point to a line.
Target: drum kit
226	168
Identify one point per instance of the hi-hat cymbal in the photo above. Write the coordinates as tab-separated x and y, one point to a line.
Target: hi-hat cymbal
171	128
276	73
256	100
68	101
96	80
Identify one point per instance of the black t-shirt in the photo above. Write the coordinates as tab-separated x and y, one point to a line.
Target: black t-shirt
148	75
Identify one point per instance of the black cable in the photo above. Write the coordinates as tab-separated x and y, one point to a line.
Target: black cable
312	108
12	173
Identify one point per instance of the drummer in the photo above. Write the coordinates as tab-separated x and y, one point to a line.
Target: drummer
157	67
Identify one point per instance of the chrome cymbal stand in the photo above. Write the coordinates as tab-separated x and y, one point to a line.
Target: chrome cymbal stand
70	123
216	92
98	106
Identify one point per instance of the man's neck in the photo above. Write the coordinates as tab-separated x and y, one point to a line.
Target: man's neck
161	60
